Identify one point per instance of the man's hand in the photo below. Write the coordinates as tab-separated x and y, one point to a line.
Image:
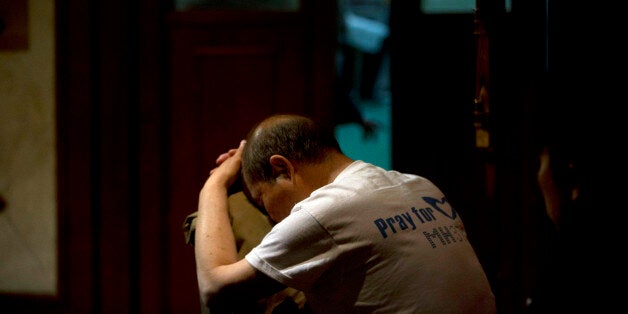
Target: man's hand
228	167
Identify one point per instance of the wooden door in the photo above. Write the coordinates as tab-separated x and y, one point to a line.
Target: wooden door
229	69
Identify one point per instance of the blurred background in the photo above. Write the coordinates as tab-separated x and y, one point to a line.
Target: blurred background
113	112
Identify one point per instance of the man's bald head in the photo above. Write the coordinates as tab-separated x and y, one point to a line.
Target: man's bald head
297	138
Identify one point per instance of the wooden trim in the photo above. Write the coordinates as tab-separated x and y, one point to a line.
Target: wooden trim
14	25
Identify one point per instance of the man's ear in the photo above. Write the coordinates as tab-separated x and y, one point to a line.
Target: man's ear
282	167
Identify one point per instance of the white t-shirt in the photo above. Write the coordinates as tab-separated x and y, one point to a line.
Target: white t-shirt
376	241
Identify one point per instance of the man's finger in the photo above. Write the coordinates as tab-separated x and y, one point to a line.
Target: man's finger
221	158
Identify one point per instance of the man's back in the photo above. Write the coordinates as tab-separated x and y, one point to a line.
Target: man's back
376	241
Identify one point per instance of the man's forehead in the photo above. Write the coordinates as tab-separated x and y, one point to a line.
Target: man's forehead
254	195
253	192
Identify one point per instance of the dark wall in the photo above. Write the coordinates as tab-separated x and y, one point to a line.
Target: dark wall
433	79
556	68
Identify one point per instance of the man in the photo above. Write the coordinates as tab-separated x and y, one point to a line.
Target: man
352	236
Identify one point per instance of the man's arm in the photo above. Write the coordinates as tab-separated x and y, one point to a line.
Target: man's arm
219	273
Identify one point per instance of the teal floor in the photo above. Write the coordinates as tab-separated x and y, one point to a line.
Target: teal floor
375	149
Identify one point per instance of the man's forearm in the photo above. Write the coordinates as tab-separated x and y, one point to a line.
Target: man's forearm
214	240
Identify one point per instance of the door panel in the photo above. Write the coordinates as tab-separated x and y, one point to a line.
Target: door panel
229	69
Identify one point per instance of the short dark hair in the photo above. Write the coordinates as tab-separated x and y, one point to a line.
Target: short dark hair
296	137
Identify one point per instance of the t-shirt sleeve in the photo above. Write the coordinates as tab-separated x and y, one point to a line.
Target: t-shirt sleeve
296	252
